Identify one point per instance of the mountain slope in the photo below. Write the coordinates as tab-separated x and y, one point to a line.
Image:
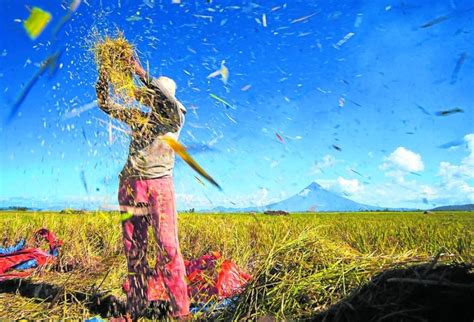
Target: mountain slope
315	198
468	207
312	198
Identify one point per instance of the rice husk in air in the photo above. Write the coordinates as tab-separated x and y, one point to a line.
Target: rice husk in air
114	55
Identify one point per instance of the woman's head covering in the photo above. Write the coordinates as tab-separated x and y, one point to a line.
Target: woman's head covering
169	85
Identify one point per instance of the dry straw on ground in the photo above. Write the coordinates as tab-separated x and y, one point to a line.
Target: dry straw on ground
305	266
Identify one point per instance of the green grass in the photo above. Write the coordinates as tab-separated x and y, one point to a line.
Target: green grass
302	263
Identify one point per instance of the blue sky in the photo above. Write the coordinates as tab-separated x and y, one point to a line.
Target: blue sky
350	74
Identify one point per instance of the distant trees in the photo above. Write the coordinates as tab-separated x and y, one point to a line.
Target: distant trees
276	213
69	211
16	208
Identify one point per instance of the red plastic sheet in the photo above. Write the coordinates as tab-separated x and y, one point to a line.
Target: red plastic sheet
206	280
9	261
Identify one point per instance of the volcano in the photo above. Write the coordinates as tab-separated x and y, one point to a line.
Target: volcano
312	198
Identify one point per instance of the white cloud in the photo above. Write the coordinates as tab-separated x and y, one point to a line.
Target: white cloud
326	184
464	170
304	193
327	162
258	198
187	200
402	159
429	191
255	197
342	186
261	197
349	186
458	178
456	184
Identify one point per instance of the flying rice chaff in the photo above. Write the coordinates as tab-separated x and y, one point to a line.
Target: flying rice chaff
181	151
36	22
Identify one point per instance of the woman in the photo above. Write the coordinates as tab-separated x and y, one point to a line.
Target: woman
146	190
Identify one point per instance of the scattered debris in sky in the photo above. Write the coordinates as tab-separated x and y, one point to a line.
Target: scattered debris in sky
451	144
51	63
200	181
134	18
84	181
303	18
341	101
223	72
78	111
457	68
73	6
279	138
246	88
181	151
149	3
355	103
450	112
230	118
124	131
109	131
217	98
358	20
421	108
435	21
344	40
36	22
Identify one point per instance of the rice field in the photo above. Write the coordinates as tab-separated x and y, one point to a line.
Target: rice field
301	263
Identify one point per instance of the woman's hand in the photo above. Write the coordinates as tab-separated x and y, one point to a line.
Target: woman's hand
138	68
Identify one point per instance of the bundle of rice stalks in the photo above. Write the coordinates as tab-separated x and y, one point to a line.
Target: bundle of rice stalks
115	57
